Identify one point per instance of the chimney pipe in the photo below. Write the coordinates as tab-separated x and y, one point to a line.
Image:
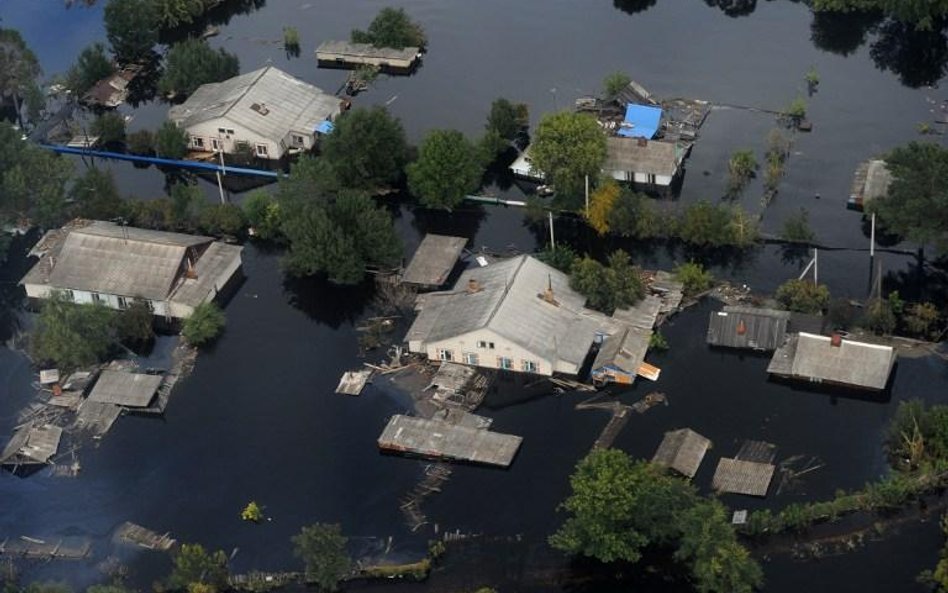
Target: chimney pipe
836	340
473	286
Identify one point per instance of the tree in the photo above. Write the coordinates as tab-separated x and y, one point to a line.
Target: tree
705	224
796	228
222	219
91	66
175	13
916	205
262	213
694	278
708	545
19	70
32	181
882	314
803	296
796	110
601	203
135	323
391	27
566	148
614	83
923	14
141	142
252	512
561	257
619	506
508	119
922	319
171	142
367	149
97	196
72	336
448	168
204	324
633	216
193	565
322	548
607	288
109	127
740	168
191	63
131	27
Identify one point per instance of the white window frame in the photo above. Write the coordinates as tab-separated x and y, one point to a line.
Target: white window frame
197	142
97	299
529	366
230	132
215	144
122	302
265	153
505	363
470	358
445	355
298	139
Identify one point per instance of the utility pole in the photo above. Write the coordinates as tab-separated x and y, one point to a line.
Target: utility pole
872	238
587	196
816	266
552	239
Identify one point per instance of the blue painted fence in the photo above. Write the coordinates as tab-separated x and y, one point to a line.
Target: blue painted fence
162	161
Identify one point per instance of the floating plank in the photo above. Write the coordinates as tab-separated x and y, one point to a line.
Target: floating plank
649	372
353	382
131	533
441	440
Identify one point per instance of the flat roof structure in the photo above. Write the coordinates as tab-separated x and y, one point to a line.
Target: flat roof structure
834	360
441	440
682	450
748	327
743	477
132	390
651	157
346	53
434	260
31	445
97	418
870	182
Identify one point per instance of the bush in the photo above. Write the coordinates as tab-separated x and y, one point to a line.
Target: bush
922	319
252	512
880	316
141	142
204	325
322	548
694	278
262	213
191	63
561	257
135	323
91	66
796	228
614	83
658	342
109	127
196	569
611	287
740	168
72	336
803	296
291	39
171	142
796	110
222	219
391	27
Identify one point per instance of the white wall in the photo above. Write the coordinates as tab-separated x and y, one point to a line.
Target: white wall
209	130
467	343
82	297
642	178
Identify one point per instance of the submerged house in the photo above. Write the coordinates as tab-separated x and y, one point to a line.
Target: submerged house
518	314
268	110
102	262
652	164
834	360
748	327
343	54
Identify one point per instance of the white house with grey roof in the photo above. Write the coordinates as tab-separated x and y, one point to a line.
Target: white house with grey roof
102	262
518	314
267	109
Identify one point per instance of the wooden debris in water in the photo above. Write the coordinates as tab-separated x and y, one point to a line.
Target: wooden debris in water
32	445
650	401
436	474
649	372
97	418
67	548
49	376
353	382
133	534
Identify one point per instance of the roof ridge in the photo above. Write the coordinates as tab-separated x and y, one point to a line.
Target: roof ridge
263	71
507	285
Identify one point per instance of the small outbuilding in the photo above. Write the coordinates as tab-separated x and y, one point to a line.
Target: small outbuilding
834	360
31	445
343	54
682	450
748	327
870	182
652	164
438	439
129	390
743	477
434	260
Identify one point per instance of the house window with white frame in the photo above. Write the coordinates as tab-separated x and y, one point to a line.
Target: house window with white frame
122	302
445	355
298	140
69	295
471	358
215	144
197	142
528	366
263	151
96	298
504	363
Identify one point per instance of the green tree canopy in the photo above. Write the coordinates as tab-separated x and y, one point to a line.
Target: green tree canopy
567	147
222	219
607	288
193	565
175	13
32	181
634	216
322	548
135	324
448	168
507	119
614	83
714	225
97	196
72	336
796	228
924	14
694	278
109	127
391	27
803	296
204	324
91	66
916	206
171	141
263	215
19	70
131	27
367	149
191	63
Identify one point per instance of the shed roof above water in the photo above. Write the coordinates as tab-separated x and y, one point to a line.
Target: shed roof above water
748	327
433	260
134	390
439	439
682	450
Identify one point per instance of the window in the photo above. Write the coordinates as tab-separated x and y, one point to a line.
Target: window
490	345
122	303
96	298
298	140
68	294
444	354
484	344
215	144
230	132
470	358
528	366
262	150
221	131
504	363
651	179
197	142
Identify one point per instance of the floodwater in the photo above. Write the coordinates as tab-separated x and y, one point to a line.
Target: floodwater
257	420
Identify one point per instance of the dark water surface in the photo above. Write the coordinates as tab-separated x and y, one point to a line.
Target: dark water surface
257	419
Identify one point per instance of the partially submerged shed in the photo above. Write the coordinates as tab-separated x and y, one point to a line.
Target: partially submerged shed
621	355
834	360
434	260
870	182
650	163
682	450
748	327
130	390
32	445
742	477
343	54
438	439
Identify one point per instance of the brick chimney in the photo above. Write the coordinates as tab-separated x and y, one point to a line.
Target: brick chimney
836	340
547	295
741	328
473	286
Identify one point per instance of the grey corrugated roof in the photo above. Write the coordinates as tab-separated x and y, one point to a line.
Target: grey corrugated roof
292	105
652	157
134	390
682	450
748	327
366	50
813	357
32	444
742	477
207	279
433	260
626	350
508	302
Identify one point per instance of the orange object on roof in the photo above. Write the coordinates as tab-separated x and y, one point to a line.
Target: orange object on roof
648	371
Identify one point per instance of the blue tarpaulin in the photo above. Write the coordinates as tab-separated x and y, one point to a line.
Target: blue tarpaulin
641	121
325	127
